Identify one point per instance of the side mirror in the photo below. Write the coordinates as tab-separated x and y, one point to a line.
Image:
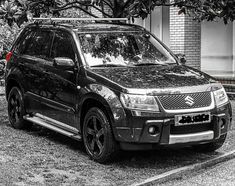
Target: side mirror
2	67
63	63
181	58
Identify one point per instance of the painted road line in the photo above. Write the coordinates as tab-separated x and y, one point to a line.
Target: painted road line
173	174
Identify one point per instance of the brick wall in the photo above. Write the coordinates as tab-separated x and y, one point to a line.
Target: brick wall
185	37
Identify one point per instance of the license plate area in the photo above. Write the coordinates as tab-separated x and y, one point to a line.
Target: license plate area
192	119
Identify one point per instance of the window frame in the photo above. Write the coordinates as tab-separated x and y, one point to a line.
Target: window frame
34	31
20	40
73	44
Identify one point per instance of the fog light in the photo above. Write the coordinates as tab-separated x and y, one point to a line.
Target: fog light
153	130
222	123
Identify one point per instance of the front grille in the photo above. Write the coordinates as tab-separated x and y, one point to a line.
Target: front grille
179	101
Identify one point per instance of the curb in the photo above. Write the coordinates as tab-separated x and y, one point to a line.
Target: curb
176	173
2	89
2	82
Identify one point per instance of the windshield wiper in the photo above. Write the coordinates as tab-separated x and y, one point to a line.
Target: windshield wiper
109	65
147	64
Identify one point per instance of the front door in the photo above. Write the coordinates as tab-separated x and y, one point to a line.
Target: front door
60	88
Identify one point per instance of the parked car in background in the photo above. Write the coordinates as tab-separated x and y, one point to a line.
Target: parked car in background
114	86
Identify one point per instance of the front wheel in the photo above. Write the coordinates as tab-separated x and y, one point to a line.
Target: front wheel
16	109
210	147
97	136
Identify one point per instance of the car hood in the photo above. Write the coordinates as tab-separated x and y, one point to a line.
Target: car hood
155	77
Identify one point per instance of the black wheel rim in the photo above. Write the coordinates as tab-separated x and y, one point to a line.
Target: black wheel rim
94	134
14	108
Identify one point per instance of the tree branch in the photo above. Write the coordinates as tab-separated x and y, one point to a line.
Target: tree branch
73	4
108	4
127	3
180	3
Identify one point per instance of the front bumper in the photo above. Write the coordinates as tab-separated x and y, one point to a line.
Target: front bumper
137	136
193	137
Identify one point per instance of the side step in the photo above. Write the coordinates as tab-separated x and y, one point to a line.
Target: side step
44	123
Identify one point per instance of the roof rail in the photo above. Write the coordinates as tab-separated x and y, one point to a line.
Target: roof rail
81	19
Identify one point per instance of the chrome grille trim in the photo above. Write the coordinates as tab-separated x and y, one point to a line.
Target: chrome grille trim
195	137
190	110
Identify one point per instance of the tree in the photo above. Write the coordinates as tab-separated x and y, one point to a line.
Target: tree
7	36
18	10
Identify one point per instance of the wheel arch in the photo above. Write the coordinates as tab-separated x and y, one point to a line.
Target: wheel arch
93	100
12	82
104	98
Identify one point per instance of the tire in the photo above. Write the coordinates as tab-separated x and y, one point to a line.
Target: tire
211	147
97	136
16	109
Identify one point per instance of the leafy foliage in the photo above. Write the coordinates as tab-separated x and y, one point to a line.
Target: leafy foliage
11	13
20	10
7	35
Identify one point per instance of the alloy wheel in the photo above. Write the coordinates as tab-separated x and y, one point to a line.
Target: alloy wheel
94	134
14	108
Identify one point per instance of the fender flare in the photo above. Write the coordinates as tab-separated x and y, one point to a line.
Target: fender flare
109	100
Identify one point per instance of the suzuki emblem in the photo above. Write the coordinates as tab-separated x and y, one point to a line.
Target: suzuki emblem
189	101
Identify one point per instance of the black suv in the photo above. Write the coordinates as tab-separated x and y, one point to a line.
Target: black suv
114	86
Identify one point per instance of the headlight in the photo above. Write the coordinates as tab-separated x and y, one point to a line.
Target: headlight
220	97
139	102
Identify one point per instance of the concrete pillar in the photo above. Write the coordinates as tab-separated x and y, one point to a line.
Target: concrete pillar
166	25
156	22
143	22
147	23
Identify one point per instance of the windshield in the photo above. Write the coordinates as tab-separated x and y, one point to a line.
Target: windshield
123	49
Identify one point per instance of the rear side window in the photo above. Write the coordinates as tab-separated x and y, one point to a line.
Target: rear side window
38	44
63	46
22	42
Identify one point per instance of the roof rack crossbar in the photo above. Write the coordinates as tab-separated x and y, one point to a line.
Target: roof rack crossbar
81	19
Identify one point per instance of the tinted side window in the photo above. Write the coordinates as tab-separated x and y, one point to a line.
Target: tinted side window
39	45
62	46
25	39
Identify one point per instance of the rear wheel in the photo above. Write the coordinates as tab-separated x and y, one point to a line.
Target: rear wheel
210	147
16	109
97	136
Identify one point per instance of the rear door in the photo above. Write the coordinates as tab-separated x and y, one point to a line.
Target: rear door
32	53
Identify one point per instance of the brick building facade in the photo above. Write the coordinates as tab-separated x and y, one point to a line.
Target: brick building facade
209	46
185	37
